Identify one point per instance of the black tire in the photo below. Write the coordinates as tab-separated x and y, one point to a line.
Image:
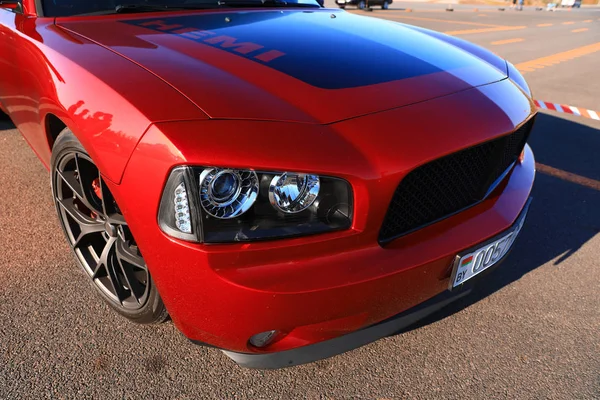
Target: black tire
385	5
343	7
361	5
89	215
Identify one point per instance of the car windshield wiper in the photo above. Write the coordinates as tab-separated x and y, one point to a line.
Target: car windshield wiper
264	3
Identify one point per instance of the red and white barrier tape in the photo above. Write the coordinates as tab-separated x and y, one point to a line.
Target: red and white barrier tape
567	109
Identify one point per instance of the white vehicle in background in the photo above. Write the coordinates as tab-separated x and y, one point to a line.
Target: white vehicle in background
570	3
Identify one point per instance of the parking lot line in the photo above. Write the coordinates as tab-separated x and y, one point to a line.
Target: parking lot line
507	41
541	25
579	30
568	23
443	20
484	30
568	176
587	20
539	63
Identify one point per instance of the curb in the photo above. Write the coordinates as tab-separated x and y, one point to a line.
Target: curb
567	109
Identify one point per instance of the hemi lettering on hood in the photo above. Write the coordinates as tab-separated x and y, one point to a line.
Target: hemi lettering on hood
247	49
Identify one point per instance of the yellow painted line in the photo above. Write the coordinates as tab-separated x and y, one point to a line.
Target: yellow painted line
568	176
485	30
579	30
391	11
540	25
507	41
568	23
539	63
488	27
588	20
443	20
481	15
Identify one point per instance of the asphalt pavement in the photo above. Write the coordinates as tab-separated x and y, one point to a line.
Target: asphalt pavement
530	330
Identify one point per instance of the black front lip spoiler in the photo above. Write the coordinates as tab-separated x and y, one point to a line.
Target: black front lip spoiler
351	341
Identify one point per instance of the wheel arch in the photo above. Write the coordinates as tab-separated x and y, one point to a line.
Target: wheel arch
53	126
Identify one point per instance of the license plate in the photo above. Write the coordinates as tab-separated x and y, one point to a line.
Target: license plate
484	256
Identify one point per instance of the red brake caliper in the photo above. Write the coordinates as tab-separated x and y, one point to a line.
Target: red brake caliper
98	191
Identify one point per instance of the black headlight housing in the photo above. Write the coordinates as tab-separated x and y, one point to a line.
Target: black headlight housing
224	205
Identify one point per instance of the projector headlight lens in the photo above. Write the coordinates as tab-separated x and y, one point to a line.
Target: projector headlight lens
227	193
294	193
224	205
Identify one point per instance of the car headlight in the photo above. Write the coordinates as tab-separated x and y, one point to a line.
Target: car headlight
294	193
227	193
221	205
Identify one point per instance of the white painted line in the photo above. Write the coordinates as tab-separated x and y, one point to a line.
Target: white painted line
575	110
593	114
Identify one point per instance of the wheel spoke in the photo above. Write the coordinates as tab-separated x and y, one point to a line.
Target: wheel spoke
125	254
103	259
86	232
69	178
87	175
114	279
86	224
104	194
111	213
116	219
130	281
97	269
107	262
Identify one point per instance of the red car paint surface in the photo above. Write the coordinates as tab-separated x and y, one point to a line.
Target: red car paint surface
147	93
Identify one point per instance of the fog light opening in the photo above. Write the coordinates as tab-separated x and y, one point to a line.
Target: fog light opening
263	339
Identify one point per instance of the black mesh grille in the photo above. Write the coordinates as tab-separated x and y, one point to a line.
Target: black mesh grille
450	184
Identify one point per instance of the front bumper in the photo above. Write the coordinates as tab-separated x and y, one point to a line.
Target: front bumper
351	341
324	286
315	288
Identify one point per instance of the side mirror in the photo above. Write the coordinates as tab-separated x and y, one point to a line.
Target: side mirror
16	5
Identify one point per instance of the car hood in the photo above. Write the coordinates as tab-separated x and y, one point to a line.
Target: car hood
314	66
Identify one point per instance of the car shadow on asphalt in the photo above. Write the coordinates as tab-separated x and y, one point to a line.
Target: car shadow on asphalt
5	122
563	216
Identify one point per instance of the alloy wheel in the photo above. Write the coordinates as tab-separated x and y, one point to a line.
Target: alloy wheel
98	233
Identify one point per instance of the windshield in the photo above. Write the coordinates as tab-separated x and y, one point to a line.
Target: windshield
62	8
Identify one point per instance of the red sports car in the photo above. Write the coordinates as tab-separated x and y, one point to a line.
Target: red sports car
285	181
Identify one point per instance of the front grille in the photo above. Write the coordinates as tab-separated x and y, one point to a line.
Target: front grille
450	184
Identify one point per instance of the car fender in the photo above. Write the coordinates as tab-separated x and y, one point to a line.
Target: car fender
107	101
